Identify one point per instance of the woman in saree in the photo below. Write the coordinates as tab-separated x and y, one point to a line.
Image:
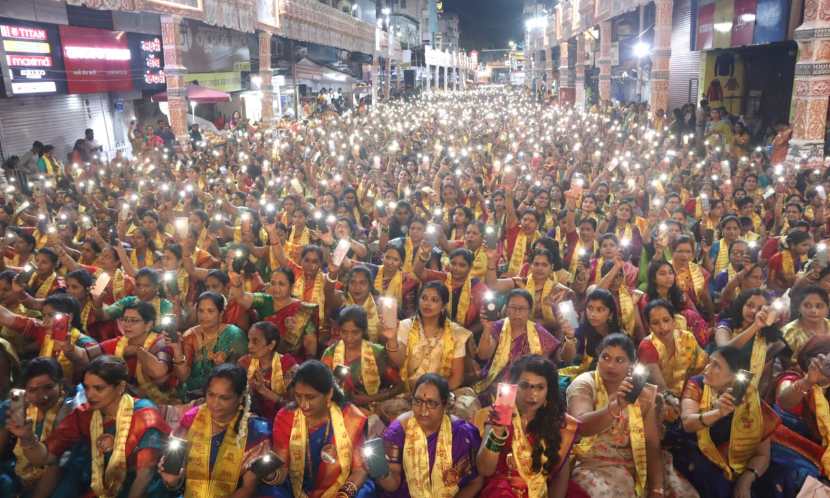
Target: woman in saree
46	407
224	439
600	319
122	438
466	291
610	250
810	307
670	354
309	286
371	378
204	346
145	352
431	453
800	443
359	290
472	239
541	283
662	284
528	458
147	288
692	278
296	321
219	282
619	454
717	258
785	264
391	281
725	448
750	327
269	372
613	279
427	342
505	341
71	349
622	223
319	437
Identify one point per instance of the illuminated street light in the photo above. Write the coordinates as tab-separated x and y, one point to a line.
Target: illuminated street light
641	49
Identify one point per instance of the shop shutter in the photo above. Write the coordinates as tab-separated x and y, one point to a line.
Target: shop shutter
58	120
684	64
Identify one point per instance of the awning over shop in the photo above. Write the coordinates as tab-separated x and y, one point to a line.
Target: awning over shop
309	70
198	94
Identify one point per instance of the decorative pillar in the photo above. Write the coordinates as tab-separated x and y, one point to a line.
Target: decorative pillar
811	87
660	56
174	72
266	86
446	78
566	84
604	61
550	67
437	78
579	93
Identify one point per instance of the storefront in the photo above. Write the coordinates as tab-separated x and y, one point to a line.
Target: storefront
748	64
56	80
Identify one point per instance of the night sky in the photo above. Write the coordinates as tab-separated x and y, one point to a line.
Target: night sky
488	23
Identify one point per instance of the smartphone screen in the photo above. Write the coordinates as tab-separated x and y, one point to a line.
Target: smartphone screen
340	252
505	402
566	308
389	311
101	284
60	327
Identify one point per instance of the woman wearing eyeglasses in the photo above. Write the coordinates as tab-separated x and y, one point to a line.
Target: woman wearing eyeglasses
505	341
619	454
529	457
123	436
147	356
431	453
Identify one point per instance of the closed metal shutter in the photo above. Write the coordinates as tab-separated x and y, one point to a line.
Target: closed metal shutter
685	64
58	120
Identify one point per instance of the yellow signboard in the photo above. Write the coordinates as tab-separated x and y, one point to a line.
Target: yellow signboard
226	82
29	47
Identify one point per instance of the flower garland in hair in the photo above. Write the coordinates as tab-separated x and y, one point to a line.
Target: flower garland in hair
242	432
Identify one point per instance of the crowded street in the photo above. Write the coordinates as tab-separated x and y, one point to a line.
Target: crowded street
465	275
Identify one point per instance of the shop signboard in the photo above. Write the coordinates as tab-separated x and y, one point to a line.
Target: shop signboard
771	18
96	60
705	24
147	61
30	58
743	22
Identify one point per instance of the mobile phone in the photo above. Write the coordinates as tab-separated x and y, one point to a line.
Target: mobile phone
775	311
101	284
389	311
704	203
17	406
739	388
505	402
491	308
380	207
167	323
341	251
374	455
566	308
491	237
709	236
431	235
639	376
821	255
266	464
182	226
175	454
341	372
60	326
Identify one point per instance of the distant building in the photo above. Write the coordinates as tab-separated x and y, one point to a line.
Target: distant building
449	35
